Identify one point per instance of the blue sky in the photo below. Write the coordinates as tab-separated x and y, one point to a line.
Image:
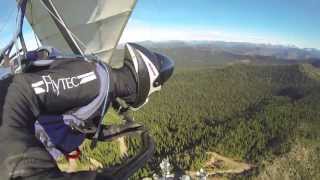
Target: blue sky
286	22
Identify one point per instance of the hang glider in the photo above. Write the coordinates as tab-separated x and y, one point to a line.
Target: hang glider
80	26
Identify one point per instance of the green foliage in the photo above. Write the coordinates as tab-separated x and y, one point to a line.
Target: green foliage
244	111
248	112
107	153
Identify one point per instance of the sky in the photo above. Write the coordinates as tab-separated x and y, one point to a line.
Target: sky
283	22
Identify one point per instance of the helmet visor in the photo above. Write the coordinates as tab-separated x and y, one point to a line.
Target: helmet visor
166	69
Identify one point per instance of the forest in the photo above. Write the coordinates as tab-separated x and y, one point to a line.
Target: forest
267	115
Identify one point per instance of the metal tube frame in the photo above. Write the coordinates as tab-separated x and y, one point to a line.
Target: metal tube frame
5	52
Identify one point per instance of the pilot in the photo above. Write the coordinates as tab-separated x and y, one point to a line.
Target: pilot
54	104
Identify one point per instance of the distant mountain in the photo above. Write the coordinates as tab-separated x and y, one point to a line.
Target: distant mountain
206	53
238	48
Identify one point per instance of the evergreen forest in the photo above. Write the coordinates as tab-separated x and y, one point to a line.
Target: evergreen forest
263	114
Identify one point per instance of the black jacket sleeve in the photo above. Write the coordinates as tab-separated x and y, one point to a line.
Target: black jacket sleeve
23	98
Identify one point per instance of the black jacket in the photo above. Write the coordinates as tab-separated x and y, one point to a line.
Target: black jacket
22	100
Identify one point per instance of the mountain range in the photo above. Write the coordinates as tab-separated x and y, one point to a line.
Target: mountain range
239	48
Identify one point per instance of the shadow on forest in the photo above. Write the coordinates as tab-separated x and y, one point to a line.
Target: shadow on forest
292	92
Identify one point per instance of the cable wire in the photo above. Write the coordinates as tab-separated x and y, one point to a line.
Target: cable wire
63	24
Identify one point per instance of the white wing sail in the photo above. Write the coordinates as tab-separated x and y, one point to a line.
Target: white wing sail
96	25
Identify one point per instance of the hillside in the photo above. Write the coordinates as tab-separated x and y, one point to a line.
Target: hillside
251	113
264	115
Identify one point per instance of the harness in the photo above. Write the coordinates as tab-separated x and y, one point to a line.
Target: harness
74	125
63	134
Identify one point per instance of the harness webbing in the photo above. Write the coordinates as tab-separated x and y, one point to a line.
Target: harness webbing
72	125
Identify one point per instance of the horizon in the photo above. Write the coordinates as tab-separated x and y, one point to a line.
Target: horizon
286	23
244	21
217	41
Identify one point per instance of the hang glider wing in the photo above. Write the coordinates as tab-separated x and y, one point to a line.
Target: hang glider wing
95	26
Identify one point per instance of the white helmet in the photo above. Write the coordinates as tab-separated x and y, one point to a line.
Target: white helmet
151	71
